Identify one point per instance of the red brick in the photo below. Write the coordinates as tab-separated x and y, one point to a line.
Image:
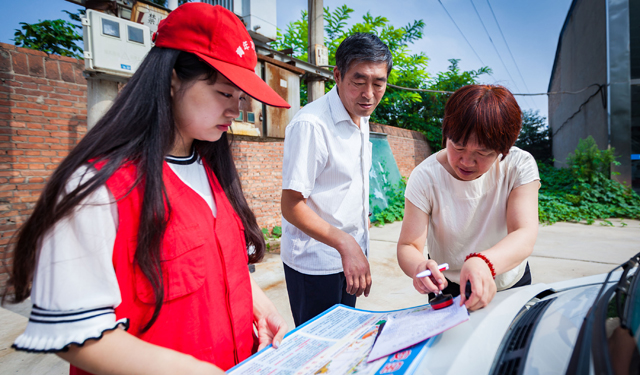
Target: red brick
66	72
63	84
23	91
64	97
29	85
31	105
78	75
30	51
5	60
34	126
51	67
20	65
62	109
30	79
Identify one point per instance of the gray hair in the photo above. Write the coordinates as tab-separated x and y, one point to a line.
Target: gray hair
362	47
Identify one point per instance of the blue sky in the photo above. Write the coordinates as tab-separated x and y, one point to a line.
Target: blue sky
530	27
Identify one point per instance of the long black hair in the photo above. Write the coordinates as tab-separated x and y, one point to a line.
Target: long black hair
138	128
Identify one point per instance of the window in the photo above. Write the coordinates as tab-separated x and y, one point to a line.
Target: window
251	117
135	34
111	28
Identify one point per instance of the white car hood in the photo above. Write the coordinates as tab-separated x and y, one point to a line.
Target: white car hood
471	347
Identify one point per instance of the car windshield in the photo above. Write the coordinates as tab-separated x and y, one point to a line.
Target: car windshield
608	339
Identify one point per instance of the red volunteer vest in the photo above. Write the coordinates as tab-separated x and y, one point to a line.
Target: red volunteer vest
208	307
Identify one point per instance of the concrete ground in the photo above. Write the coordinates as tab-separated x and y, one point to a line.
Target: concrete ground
563	251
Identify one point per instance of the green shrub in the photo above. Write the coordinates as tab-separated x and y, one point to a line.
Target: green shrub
584	191
587	161
276	232
395	210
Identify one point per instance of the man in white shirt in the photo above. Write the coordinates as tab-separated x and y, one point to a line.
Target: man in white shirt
325	183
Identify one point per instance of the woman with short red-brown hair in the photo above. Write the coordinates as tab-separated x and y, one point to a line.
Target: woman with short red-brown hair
476	201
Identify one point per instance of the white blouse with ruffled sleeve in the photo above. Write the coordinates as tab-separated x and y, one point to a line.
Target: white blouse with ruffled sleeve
75	290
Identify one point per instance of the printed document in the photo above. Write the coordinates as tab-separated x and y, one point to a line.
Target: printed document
409	327
339	342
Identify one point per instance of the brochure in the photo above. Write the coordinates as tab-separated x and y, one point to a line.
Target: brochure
339	341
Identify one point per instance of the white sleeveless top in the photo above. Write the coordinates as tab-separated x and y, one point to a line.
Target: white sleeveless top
469	216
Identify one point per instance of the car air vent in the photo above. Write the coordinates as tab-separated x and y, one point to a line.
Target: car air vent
516	343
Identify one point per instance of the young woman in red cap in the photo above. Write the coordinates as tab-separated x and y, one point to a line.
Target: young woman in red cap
144	225
475	201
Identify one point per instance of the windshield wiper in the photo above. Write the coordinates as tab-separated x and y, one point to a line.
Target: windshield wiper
623	290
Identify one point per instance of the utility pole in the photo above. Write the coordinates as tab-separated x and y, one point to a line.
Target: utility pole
100	95
172	4
317	50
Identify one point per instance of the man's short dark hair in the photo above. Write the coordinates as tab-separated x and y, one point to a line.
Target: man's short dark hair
362	47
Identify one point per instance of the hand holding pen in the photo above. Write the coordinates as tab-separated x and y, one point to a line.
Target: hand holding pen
429	277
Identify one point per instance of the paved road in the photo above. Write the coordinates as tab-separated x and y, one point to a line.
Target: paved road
563	251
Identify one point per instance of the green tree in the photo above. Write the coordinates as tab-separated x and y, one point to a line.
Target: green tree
56	37
413	110
535	136
425	115
406	66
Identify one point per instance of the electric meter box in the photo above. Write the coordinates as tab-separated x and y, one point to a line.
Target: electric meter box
113	45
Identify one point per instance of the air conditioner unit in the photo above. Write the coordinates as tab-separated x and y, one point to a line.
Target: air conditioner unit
258	15
113	45
260	18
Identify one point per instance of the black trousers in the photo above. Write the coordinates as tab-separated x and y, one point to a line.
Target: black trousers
310	295
454	288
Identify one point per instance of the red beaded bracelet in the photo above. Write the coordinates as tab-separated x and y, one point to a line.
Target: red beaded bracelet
486	260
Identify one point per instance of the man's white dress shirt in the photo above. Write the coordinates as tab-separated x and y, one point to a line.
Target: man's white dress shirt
327	158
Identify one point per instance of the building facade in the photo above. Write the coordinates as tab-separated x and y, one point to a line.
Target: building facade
595	83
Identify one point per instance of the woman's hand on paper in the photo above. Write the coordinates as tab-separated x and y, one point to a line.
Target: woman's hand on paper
271	330
432	284
482	284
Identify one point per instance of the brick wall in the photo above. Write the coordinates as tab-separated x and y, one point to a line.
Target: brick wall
409	147
42	116
260	167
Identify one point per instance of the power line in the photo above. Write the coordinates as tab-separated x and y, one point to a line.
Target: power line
508	49
514	94
495	48
461	33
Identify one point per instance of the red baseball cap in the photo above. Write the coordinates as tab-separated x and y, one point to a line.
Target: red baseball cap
218	37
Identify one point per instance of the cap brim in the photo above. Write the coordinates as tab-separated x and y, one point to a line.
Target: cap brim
247	81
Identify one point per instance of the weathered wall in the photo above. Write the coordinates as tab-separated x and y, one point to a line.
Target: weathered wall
409	147
581	61
260	167
42	116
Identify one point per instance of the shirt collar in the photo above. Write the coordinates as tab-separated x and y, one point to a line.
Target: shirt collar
338	111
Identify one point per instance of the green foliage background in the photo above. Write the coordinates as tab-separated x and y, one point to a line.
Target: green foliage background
56	37
535	136
584	191
419	111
